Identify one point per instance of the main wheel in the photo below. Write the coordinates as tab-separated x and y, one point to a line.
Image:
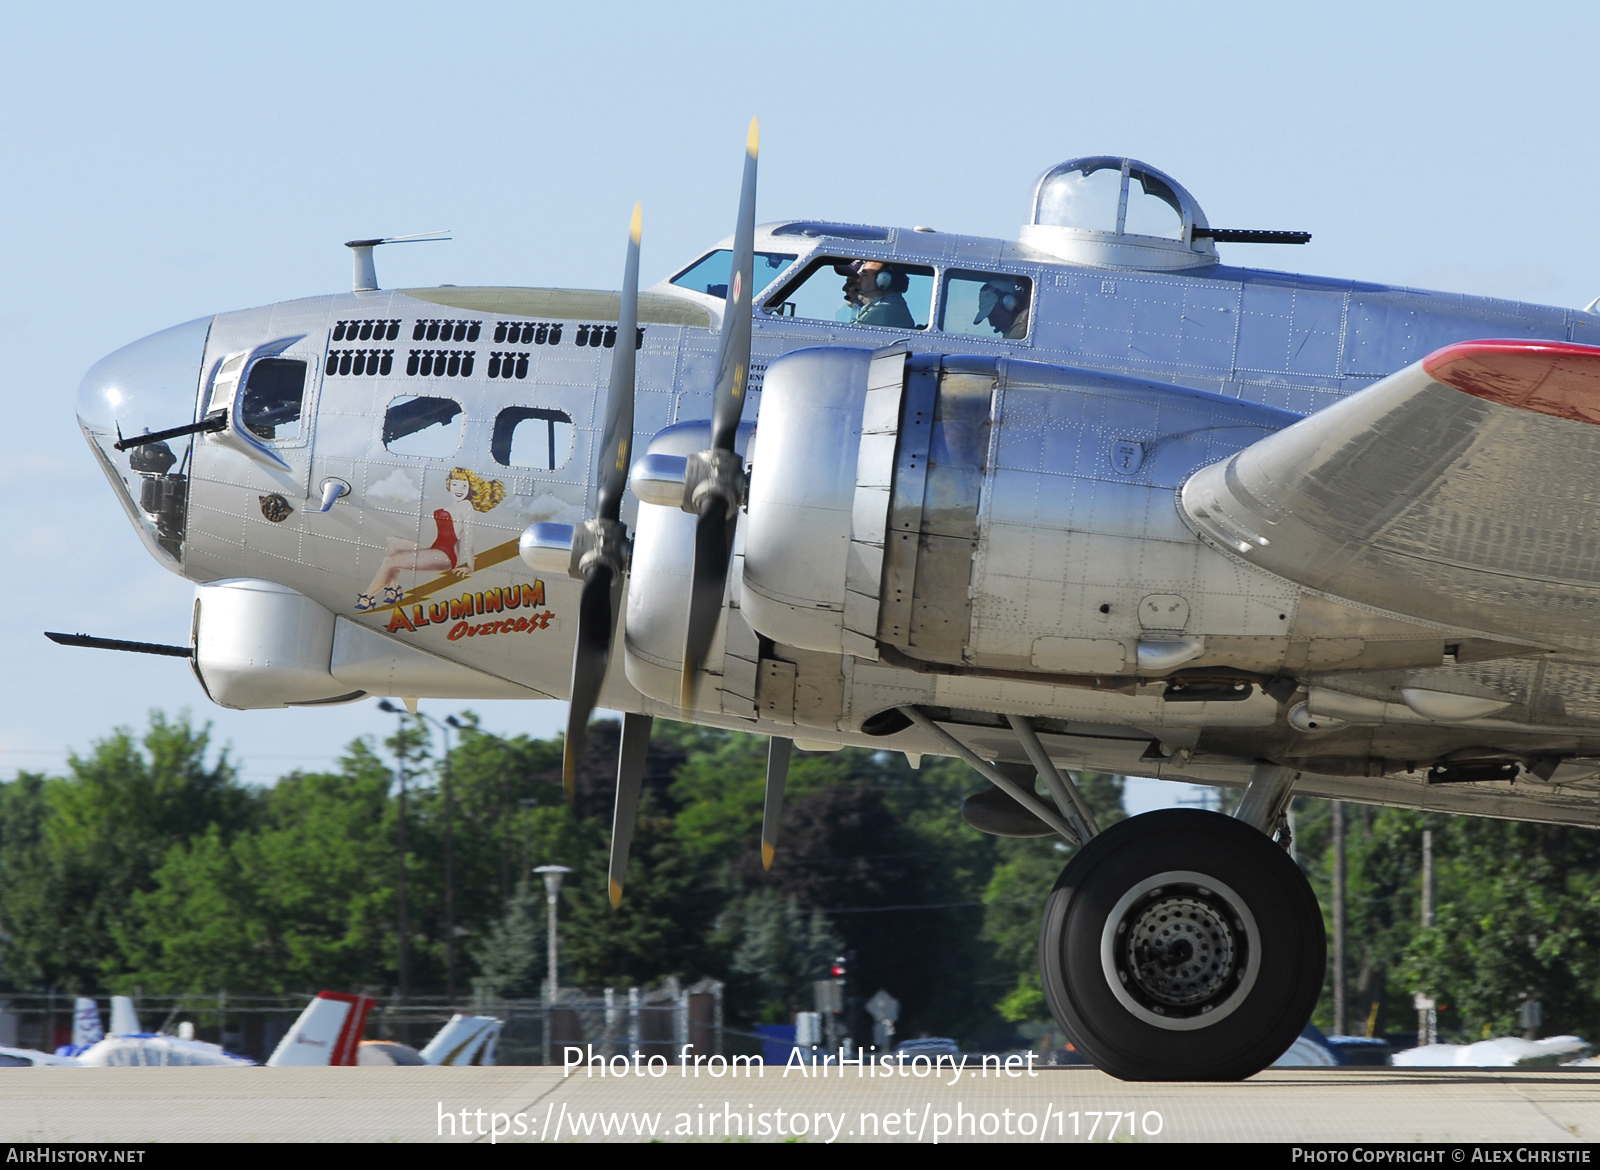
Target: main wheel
1182	945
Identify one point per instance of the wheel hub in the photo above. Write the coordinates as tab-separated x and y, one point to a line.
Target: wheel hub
1180	950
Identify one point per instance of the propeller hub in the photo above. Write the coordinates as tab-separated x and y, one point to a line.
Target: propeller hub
600	542
716	474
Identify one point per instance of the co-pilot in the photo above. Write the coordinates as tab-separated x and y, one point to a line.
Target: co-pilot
876	291
1003	303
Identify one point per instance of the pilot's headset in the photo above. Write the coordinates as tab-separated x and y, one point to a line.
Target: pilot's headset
1005	293
886	280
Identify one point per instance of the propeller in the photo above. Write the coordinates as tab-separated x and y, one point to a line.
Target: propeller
714	479
778	749
600	544
630	778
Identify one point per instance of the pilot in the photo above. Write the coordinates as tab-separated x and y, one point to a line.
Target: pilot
1003	302
876	290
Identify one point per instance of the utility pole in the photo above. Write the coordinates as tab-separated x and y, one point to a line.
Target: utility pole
1428	1011
1338	919
405	930
449	855
449	870
1427	878
400	891
505	845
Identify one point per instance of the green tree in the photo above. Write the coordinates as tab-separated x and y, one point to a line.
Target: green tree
513	957
29	883
91	841
1518	918
781	950
304	900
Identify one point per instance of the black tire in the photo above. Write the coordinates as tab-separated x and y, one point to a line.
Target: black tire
1225	959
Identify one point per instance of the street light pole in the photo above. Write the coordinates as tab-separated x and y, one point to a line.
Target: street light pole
552	892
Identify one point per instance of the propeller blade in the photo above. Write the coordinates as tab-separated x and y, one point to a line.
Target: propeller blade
717	508
778	750
712	544
597	607
630	779
616	449
733	355
590	655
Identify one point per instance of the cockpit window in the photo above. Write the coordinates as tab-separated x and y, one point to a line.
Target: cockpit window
987	304
429	428
711	274
859	292
273	397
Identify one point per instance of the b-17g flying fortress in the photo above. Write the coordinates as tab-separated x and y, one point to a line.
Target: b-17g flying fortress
1085	498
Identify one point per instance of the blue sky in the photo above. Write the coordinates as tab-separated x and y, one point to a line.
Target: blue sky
164	162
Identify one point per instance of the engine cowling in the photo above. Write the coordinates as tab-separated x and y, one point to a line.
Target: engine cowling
1006	515
657	613
803	495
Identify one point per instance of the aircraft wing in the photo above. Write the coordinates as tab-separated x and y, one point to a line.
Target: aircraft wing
1463	490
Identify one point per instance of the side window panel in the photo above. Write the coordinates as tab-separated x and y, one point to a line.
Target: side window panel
858	292
225	384
995	305
710	274
428	428
530	436
272	398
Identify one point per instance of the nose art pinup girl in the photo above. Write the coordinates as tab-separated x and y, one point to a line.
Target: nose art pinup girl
452	550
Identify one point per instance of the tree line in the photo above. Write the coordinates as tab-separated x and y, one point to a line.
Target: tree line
149	865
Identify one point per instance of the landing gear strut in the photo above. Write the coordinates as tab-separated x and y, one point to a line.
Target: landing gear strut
1182	945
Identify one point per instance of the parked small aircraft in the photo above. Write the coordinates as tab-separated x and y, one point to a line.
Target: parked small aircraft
328	1032
124	1045
1089	498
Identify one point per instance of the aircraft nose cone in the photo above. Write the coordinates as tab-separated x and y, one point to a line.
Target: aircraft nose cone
151	385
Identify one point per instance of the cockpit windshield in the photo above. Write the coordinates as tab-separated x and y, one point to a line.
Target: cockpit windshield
710	275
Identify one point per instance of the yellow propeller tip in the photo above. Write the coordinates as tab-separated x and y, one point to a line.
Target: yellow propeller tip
752	144
616	895
635	227
767	854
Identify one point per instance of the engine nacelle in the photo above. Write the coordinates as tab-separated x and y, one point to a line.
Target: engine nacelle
984	512
657	617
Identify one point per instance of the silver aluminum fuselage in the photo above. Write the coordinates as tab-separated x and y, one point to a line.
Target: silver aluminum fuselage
1055	581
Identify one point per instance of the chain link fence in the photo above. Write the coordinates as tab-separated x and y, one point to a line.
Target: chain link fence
648	1022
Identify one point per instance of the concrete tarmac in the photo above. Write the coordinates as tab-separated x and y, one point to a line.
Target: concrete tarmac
138	1105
